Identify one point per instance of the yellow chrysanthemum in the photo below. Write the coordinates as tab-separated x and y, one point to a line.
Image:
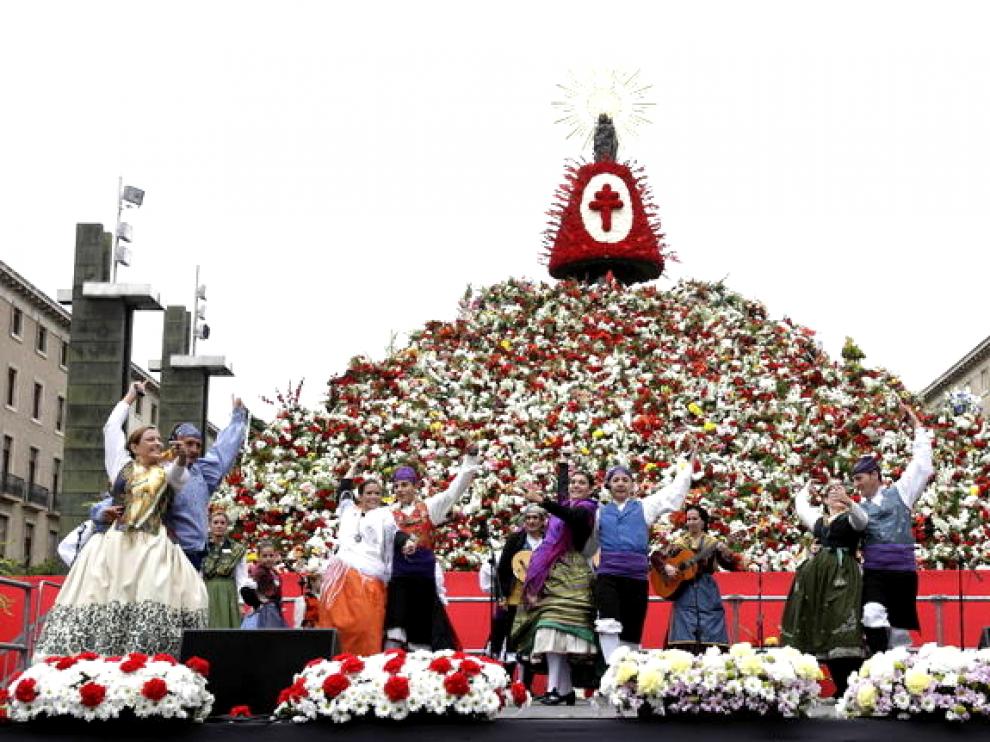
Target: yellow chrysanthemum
866	696
625	672
917	681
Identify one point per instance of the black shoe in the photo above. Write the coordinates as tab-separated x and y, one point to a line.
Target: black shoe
553	698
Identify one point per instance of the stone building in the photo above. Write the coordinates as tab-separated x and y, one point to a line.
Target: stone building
970	373
34	342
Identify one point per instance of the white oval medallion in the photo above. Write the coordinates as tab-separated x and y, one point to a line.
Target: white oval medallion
606	208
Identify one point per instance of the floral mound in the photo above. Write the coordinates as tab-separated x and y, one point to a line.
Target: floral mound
396	684
618	374
781	682
90	687
945	682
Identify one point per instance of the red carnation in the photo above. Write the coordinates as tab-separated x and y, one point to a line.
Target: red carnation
87	656
470	668
351	665
163	657
131	665
64	663
314	663
155	689
92	694
441	665
26	690
335	684
457	684
199	665
394	664
240	711
519	694
397	688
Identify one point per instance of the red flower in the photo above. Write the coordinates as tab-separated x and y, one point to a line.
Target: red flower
26	690
131	664
335	684
240	711
519	694
394	664
199	665
457	684
441	665
314	663
162	657
397	688
470	668
351	665
64	663
92	694
155	689
87	656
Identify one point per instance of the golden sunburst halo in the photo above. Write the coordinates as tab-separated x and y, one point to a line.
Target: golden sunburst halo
620	94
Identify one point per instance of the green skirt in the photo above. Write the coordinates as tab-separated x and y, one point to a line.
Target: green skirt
566	604
822	615
224	611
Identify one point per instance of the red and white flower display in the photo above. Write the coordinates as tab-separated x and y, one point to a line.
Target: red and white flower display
617	374
88	686
395	684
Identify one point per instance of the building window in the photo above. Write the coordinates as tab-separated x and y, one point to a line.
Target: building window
33	467
28	543
53	545
8	452
60	414
41	340
11	386
984	380
63	355
139	406
154	414
16	322
4	521
39	393
56	475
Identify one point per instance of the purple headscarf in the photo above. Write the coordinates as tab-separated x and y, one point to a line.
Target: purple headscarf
405	474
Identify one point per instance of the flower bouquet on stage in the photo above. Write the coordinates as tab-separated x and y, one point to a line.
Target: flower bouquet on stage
90	687
743	681
397	685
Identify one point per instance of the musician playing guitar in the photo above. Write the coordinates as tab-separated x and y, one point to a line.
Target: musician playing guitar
698	618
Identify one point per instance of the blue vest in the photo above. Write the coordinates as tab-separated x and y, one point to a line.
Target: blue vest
890	521
625	539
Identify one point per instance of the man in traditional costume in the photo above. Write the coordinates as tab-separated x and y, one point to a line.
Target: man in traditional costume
414	615
890	577
623	529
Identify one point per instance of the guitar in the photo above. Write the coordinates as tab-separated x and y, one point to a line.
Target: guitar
520	565
684	561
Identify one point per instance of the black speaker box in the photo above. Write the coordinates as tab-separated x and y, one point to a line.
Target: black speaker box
985	638
250	667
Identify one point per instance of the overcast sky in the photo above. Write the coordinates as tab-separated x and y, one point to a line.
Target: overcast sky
342	171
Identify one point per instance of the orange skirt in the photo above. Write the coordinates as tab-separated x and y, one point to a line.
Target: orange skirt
354	605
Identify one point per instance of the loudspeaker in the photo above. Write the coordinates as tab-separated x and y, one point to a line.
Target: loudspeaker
985	638
250	667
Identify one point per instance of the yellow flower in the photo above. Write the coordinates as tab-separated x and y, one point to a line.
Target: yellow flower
585	450
741	649
974	491
807	668
650	681
709	426
680	661
650	466
866	696
506	345
625	672
599	433
436	426
694	409
771	641
917	681
750	664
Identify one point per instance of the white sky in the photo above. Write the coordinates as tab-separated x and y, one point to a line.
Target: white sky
342	170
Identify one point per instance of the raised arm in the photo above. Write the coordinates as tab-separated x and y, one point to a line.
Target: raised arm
215	464
671	497
439	505
807	513
920	469
115	453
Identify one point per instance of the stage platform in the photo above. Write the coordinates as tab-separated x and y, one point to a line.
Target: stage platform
528	725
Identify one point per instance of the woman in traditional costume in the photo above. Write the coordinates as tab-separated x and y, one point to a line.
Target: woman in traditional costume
822	614
225	573
265	595
698	618
352	598
556	617
133	590
415	616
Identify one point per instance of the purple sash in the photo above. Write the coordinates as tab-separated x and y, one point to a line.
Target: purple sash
556	543
890	556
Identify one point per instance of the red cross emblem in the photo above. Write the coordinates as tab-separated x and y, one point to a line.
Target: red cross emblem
606	201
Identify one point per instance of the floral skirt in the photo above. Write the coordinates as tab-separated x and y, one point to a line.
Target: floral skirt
822	614
128	591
